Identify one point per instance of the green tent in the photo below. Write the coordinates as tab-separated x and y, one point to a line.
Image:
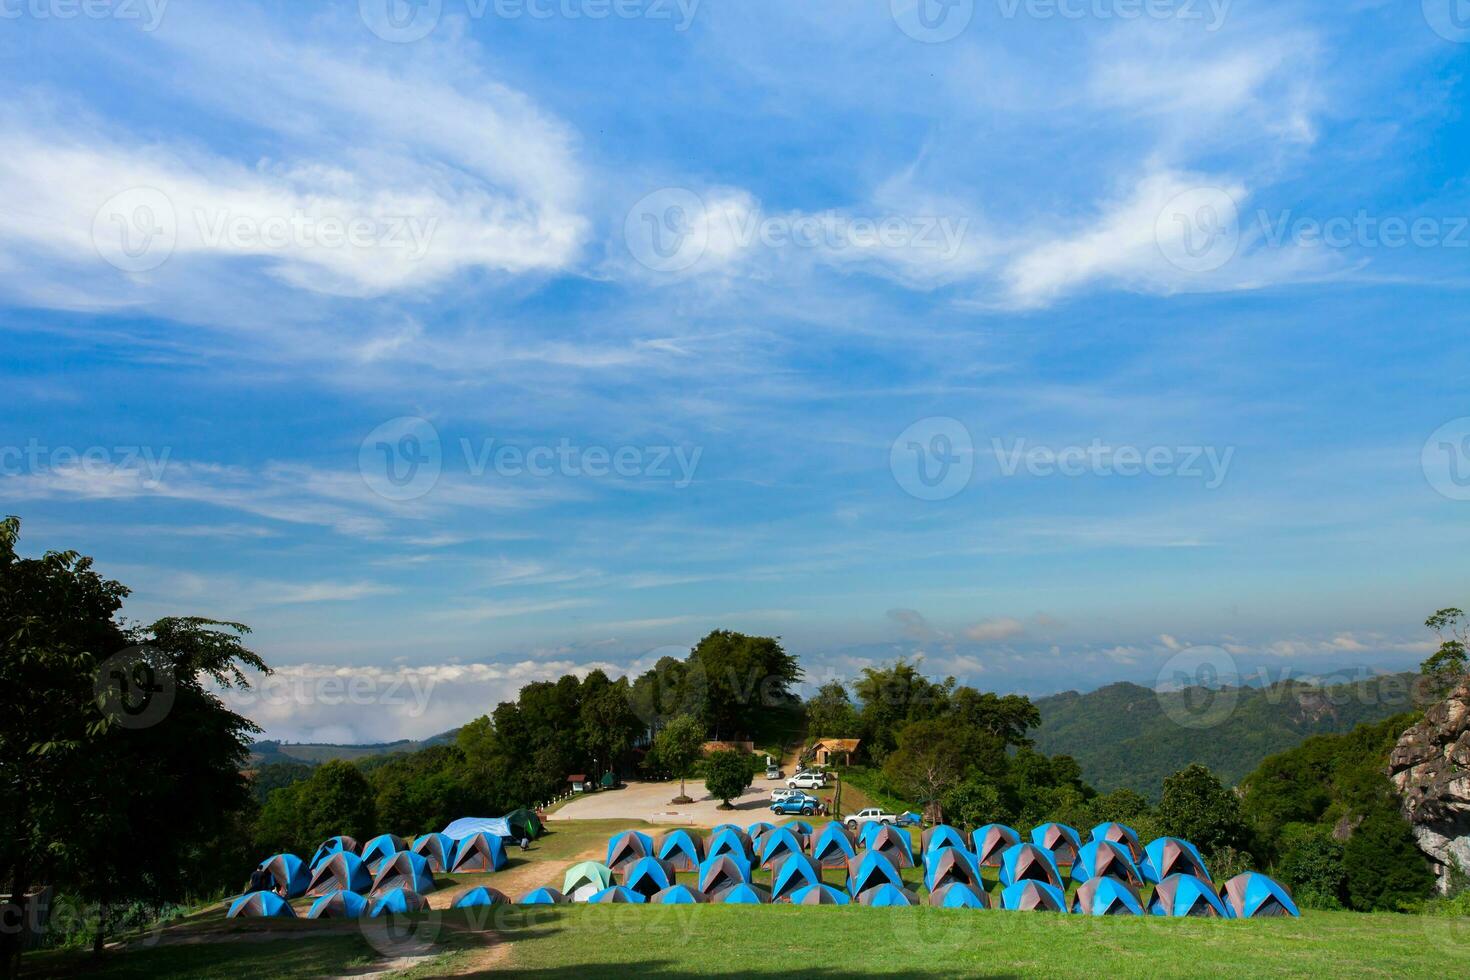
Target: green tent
523	823
609	780
584	880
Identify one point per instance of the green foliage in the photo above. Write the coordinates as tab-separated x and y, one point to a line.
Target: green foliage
975	802
1123	734
679	744
337	799
830	714
1325	779
274	775
930	758
1311	866
739	678
79	773
727	774
1384	868
1197	808
1449	664
892	697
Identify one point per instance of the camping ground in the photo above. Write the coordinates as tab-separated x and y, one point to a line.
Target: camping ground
727	941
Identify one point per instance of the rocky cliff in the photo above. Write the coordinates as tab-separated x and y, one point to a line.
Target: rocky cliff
1430	767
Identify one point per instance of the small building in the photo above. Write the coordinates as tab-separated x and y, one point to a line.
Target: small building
834	751
580	783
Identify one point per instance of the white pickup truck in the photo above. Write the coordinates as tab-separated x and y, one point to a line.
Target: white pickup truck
872	814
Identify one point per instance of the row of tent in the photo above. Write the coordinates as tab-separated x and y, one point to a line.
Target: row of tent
1113	851
384	863
1246	896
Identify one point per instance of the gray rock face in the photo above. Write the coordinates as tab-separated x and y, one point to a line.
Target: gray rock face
1430	767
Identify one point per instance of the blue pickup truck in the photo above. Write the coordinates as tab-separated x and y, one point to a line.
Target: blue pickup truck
798	803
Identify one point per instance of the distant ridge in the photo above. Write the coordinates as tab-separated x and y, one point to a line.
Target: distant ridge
1127	735
268	752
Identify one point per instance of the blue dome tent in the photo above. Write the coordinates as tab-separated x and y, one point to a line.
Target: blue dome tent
1027	862
1107	896
343	871
958	896
398	901
1252	894
1105	859
794	872
1185	895
380	849
481	896
437	849
405	870
479	852
544	896
288	872
338	905
260	905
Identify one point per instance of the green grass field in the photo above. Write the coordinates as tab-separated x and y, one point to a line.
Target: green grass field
729	941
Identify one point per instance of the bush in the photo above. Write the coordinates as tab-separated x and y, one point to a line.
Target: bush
1384	868
727	774
1311	866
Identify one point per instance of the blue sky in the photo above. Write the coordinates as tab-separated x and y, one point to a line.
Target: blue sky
253	254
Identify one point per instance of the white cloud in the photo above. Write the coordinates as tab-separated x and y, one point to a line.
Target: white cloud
995	630
450	170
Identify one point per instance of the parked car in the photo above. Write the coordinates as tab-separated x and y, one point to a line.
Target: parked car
872	814
783	793
800	803
807	780
774	773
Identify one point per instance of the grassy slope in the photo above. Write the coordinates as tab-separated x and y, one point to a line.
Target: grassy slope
1123	734
584	941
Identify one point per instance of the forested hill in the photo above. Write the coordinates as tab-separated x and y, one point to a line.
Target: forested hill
1127	735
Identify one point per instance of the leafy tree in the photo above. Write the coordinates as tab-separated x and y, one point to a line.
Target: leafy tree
975	802
1384	868
830	714
739	678
679	745
727	774
1311	866
274	775
893	696
608	722
337	799
79	771
1198	809
1447	666
928	760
